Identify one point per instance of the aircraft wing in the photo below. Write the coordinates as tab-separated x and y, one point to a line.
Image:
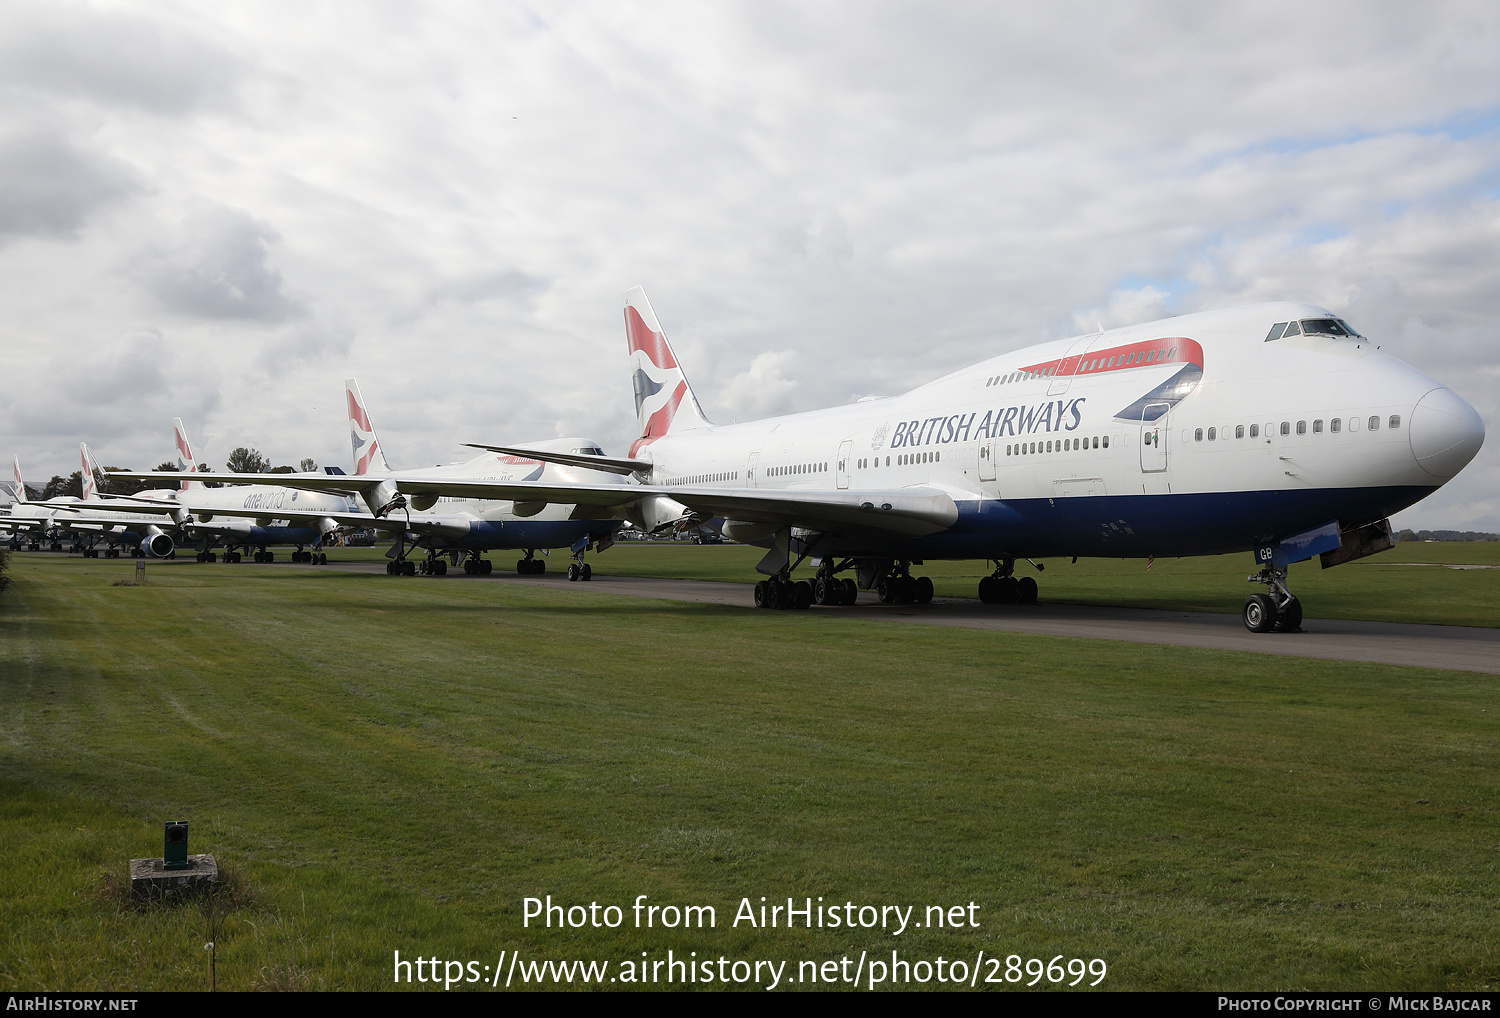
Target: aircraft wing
906	512
340	484
397	522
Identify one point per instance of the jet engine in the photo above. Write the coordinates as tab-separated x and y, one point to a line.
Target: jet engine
156	543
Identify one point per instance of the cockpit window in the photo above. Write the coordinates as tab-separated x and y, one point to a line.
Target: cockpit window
1292	329
1324	327
590	450
1275	332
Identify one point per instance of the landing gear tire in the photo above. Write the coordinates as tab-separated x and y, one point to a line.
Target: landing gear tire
827	591
1289	619
989	590
851	592
886	589
924	590
486	567
1026	590
573	572
762	594
408	568
804	594
774	595
585	572
1259	613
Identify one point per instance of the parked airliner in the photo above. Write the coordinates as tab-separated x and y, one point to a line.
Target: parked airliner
463	527
240	517
92	520
1273	428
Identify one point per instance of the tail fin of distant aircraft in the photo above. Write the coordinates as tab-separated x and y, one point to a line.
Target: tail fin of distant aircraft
185	460
86	474
664	401
369	458
20	484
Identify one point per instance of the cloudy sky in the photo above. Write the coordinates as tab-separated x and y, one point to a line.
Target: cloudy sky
220	211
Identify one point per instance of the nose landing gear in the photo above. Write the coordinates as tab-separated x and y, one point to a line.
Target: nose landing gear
1278	609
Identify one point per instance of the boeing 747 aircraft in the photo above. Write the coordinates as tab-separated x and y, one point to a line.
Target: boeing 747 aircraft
462	528
1272	428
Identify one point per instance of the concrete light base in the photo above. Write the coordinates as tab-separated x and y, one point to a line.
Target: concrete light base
149	880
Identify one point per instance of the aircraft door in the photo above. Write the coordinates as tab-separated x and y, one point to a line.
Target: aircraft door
843	463
750	478
1154	438
987	450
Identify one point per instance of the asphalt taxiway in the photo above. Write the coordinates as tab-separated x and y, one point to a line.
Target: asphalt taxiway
1462	648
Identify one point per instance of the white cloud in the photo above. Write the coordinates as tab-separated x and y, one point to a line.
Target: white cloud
821	199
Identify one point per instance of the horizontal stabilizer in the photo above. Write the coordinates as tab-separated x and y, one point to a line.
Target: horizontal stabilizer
611	464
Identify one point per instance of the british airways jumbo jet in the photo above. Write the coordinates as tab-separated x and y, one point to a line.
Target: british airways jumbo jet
1273	428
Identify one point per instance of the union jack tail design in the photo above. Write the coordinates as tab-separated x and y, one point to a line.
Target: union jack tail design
664	401
369	458
86	474
185	460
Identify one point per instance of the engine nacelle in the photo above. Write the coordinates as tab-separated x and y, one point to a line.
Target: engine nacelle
421	503
657	512
380	498
156	543
748	533
227	528
527	508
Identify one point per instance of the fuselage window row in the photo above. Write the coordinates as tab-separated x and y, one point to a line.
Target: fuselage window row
1335	426
1057	445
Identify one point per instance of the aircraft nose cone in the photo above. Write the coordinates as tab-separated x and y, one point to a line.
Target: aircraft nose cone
1446	433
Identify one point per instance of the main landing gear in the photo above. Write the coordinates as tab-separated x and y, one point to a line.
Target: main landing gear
312	558
476	566
899	586
432	565
1278	609
782	592
531	565
211	556
1003	587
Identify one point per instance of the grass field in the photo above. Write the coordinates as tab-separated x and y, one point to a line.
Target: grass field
396	765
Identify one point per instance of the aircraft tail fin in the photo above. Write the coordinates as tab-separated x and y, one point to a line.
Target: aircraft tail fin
20	484
87	475
664	401
185	460
369	458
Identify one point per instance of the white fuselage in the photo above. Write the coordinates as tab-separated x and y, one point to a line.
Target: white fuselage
1182	436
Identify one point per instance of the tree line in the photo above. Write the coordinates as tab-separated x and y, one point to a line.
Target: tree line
241	461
